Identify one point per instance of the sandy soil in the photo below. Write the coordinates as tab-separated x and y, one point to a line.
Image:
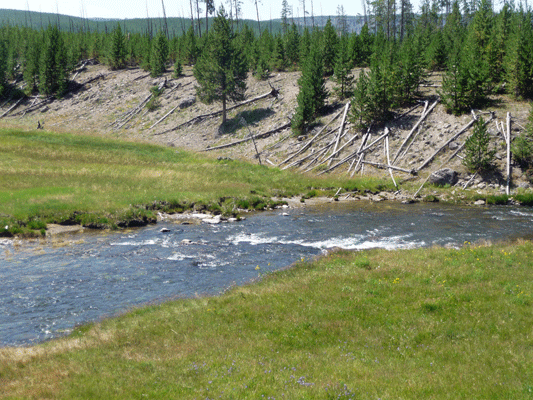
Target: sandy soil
103	99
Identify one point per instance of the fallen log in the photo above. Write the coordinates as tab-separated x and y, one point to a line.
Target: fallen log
163	118
422	118
340	134
388	166
259	136
12	107
441	166
198	118
388	157
425	163
310	142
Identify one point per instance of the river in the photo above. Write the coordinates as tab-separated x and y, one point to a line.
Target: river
47	288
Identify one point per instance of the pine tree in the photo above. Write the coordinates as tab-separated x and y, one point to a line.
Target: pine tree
159	55
478	157
292	46
361	113
279	58
3	67
343	70
221	70
312	92
329	47
117	56
53	69
519	63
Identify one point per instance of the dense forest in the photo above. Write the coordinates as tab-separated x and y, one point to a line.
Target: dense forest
479	50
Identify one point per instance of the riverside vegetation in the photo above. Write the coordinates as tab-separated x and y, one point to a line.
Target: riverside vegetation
423	323
102	183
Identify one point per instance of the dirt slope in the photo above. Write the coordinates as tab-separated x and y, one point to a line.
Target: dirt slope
102	100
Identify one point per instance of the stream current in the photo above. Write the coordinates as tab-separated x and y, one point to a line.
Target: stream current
47	288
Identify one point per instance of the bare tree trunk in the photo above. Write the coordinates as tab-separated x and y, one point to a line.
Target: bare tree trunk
224	110
257	11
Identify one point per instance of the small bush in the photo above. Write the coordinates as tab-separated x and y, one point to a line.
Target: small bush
522	149
525	199
498	199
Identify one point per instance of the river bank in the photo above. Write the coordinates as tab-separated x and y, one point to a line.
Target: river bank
348	324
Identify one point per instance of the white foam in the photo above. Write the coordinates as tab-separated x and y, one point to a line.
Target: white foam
179	257
149	242
358	242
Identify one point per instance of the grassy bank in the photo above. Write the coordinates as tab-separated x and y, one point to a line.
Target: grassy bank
411	324
48	177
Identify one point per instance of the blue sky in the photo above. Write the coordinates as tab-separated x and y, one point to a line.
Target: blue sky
174	8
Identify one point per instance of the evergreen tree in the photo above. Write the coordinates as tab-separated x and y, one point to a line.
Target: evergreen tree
312	92
305	46
520	58
478	157
3	67
329	47
53	78
159	55
117	56
221	70
362	45
408	71
279	58
361	113
292	46
191	51
343	70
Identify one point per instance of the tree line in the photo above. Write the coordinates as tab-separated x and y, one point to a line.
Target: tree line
479	51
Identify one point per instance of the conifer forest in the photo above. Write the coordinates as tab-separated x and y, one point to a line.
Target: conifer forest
480	51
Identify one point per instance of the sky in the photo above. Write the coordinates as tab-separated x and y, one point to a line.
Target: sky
126	9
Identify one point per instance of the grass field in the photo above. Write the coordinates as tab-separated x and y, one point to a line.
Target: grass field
409	324
48	177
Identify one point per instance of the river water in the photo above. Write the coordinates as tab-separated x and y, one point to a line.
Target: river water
48	289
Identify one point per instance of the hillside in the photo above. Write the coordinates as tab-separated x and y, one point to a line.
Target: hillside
110	103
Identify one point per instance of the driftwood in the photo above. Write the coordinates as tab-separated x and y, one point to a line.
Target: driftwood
141	77
198	118
470	180
323	150
310	142
12	107
388	166
388	157
341	130
128	116
80	69
508	153
441	166
422	118
259	136
163	118
425	163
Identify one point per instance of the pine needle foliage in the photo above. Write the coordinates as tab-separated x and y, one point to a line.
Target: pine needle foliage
478	157
221	70
312	94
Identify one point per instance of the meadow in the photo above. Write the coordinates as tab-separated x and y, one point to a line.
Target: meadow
50	177
408	324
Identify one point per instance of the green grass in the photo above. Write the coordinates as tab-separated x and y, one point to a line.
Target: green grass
411	324
63	178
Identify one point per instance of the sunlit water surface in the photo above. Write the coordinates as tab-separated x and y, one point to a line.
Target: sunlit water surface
49	289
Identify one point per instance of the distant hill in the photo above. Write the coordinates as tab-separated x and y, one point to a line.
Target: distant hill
176	26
